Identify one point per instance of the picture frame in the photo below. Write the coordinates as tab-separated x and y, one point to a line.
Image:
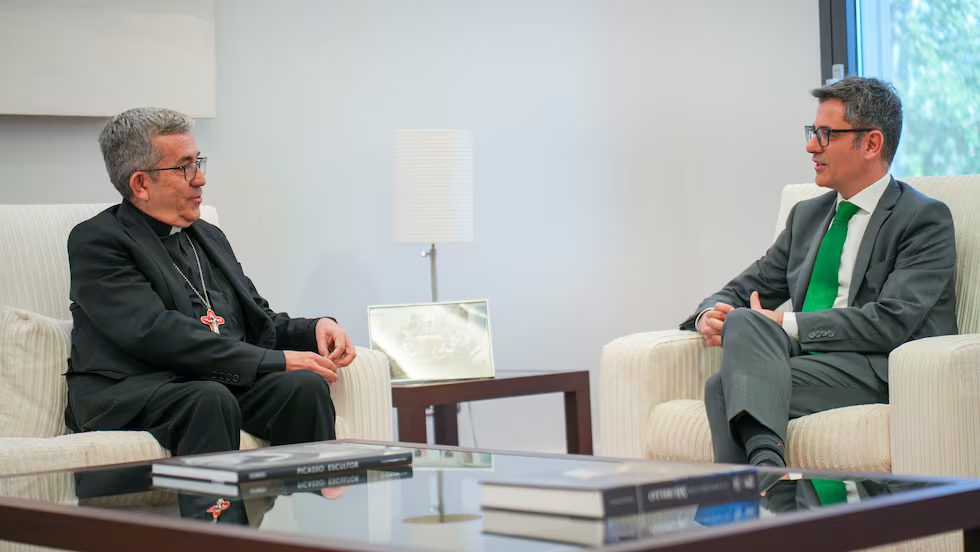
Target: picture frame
429	342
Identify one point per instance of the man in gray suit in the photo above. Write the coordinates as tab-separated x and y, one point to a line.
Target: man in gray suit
867	267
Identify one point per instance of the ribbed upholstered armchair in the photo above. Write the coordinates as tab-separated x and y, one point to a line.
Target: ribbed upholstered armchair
35	328
651	385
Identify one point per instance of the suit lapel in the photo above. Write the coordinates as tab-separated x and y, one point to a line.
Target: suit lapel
803	283
142	234
258	324
882	211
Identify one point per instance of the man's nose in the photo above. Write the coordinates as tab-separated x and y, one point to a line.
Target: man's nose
813	146
199	179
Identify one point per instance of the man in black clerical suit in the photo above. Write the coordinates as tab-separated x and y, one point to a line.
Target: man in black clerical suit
170	336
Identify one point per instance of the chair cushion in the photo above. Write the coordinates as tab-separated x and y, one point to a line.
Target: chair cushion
92	448
77	450
247	441
678	431
854	438
34	353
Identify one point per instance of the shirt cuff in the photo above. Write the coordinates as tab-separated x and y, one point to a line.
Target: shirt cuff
272	362
698	319
790	326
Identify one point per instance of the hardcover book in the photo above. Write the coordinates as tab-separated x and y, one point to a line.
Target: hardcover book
277	487
622	489
616	529
306	459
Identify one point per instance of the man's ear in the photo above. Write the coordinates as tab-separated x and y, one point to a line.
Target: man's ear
874	144
139	183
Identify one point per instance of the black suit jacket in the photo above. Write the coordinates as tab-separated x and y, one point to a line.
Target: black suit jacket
134	327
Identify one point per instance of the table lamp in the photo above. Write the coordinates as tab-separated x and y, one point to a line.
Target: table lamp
433	190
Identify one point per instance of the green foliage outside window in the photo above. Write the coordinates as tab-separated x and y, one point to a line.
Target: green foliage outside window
936	71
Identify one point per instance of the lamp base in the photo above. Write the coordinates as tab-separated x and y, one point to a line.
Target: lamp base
442	518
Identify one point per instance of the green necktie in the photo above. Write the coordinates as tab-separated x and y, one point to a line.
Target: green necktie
830	491
823	281
821	295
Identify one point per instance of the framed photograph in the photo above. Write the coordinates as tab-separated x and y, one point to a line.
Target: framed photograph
433	341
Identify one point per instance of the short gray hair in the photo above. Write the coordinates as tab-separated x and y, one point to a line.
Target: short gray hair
868	103
127	141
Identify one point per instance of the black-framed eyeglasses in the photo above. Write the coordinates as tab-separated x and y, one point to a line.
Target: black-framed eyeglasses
190	169
823	133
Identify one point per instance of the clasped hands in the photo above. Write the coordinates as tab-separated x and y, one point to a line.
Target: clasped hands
713	320
334	347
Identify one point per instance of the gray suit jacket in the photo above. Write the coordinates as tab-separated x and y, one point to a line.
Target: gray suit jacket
903	286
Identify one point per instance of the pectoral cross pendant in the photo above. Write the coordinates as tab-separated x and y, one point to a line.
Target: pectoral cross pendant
213	321
220	506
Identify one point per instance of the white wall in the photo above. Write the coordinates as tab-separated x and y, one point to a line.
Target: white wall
627	160
66	56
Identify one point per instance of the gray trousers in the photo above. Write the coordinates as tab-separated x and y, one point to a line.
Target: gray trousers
764	374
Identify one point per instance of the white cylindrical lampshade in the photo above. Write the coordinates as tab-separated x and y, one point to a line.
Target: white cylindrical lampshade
433	186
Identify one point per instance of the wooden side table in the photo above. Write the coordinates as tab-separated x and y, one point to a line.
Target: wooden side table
412	401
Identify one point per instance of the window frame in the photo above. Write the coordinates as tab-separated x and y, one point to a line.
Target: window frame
838	38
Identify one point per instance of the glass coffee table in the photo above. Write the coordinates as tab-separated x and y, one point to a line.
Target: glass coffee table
436	506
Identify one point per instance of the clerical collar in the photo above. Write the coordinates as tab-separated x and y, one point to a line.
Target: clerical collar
161	229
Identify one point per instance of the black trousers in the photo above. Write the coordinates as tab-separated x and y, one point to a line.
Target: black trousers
764	374
194	417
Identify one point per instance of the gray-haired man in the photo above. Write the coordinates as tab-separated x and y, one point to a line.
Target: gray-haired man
867	268
170	336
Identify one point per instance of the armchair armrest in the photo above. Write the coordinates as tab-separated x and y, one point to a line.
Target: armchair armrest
934	391
362	397
640	371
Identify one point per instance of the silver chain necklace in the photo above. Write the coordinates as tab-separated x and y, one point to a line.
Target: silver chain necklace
212	320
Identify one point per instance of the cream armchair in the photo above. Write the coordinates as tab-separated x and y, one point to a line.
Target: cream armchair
35	343
651	385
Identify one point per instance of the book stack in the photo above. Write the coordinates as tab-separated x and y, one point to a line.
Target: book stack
283	469
620	502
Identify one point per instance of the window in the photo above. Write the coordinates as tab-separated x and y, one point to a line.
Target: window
930	51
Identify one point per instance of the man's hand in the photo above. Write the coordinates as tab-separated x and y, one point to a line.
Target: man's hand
776	317
333	342
305	360
712	322
332	493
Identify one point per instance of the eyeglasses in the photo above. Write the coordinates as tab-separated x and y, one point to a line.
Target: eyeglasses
190	169
823	133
